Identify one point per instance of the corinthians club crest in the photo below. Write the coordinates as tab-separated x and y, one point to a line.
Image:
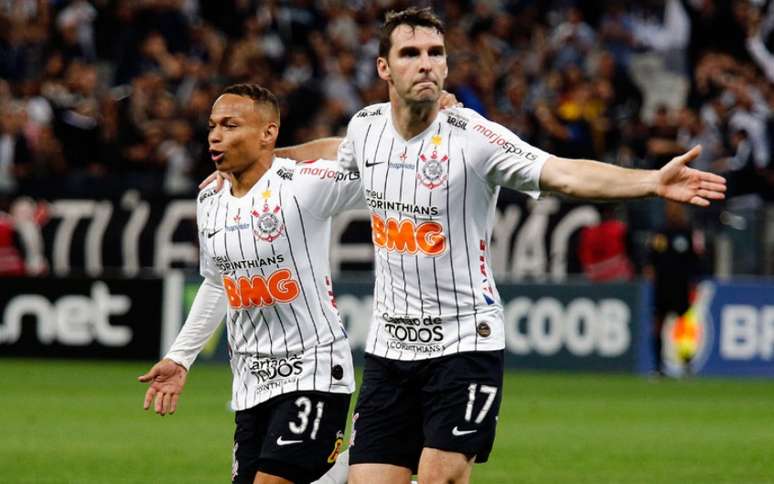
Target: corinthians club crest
433	171
268	226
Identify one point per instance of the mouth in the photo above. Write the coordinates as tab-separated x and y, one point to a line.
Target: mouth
216	156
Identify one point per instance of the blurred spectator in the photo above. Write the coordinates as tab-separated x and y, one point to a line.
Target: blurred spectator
744	175
175	155
11	262
572	40
661	71
76	28
338	84
106	86
673	266
603	249
662	137
15	159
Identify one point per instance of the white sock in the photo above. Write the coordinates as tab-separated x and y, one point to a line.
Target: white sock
339	471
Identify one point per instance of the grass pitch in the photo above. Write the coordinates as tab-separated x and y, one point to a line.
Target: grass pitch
82	422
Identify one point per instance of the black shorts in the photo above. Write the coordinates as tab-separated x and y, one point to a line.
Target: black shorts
448	403
296	436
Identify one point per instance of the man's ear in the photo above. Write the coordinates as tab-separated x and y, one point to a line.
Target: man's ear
383	68
270	133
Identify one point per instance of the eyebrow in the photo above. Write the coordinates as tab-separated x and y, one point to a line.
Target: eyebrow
224	119
410	49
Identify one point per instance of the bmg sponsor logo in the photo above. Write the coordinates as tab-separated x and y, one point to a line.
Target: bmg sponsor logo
259	291
405	236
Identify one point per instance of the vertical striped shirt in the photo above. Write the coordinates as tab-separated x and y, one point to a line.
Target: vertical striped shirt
432	201
269	251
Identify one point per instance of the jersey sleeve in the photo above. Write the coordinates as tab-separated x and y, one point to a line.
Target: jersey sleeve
357	133
325	189
207	311
207	267
346	154
503	159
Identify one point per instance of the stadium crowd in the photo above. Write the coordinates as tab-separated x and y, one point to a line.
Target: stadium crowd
103	95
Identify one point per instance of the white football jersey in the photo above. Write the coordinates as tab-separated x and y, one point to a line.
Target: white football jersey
269	250
432	201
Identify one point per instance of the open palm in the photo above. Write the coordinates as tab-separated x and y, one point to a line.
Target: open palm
678	182
167	380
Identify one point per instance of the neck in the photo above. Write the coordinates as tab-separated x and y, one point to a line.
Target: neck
410	119
243	181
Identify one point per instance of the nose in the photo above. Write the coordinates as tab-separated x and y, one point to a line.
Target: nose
424	62
214	135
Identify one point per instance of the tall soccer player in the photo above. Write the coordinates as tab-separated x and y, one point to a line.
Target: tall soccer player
264	258
432	382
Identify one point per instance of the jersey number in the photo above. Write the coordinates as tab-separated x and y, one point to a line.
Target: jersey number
489	391
304	405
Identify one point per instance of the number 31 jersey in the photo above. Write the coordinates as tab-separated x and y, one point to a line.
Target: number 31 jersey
269	250
432	201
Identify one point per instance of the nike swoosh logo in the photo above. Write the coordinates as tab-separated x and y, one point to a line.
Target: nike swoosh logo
369	165
281	441
212	234
457	432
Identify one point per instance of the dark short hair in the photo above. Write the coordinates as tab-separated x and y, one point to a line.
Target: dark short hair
413	17
259	94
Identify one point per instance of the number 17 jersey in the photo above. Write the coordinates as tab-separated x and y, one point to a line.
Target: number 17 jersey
432	201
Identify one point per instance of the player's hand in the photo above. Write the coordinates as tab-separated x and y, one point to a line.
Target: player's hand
448	100
216	176
167	379
678	182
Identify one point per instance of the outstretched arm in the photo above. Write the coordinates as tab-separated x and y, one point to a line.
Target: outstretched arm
600	181
319	149
323	148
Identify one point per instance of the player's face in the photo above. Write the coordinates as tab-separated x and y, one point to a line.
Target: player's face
237	132
416	64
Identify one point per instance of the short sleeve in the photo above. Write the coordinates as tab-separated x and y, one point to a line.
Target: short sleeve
326	189
505	160
346	154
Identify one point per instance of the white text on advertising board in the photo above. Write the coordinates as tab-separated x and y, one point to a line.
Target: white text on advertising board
72	320
747	332
583	327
